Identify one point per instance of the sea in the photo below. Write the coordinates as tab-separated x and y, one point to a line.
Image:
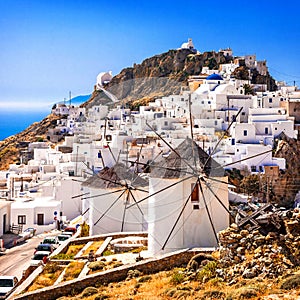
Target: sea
15	121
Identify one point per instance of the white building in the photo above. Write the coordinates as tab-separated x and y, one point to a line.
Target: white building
108	200
5	216
103	78
39	213
186	210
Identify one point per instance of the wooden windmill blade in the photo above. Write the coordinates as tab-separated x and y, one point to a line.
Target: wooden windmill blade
107	210
168	144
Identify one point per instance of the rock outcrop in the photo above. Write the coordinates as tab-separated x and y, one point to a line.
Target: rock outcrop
165	74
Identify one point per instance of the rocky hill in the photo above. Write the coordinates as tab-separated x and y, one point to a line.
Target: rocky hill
156	76
165	74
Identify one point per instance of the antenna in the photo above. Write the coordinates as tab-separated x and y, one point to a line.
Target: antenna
70	97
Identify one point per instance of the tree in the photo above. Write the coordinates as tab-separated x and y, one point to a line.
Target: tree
250	185
248	90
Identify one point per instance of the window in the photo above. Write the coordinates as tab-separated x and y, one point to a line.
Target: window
216	123
270	100
195	193
253	168
243	113
261	169
245	132
275	128
196	206
166	123
232	142
21	219
266	130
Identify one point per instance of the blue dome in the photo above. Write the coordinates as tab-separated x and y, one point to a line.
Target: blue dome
214	77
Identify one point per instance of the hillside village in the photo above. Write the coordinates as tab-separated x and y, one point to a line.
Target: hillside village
161	168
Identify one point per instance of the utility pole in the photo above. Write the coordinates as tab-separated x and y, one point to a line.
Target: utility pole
70	97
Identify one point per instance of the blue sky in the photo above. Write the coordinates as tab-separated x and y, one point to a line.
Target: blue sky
49	48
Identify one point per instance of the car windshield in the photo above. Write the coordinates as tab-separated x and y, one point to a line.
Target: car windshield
43	248
39	256
49	241
62	237
6	282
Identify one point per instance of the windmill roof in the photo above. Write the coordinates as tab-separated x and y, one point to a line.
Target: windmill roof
191	157
115	177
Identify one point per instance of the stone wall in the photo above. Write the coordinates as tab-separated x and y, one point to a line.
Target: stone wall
148	266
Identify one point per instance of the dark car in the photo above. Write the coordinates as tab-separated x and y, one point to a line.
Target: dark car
44	247
62	238
53	240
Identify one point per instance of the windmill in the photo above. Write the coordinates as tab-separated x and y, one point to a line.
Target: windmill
188	199
112	190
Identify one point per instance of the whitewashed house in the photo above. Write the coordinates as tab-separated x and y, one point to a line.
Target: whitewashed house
5	216
39	213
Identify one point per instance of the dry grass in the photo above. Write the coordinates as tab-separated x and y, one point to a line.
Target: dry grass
73	270
74	249
71	252
93	247
47	278
162	286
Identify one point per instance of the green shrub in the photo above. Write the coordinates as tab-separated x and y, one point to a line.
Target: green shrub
145	278
177	276
133	274
96	265
118	264
213	295
107	253
291	282
85	229
51	267
63	256
247	292
89	291
207	272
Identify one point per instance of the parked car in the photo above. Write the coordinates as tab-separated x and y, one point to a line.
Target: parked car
70	229
44	247
69	233
38	258
7	285
62	238
53	240
31	230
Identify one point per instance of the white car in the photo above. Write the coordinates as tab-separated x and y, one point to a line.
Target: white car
7	285
38	257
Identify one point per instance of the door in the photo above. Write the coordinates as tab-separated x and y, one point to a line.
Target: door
40	219
4	223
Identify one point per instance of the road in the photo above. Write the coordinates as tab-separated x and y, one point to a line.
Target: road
17	259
